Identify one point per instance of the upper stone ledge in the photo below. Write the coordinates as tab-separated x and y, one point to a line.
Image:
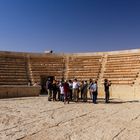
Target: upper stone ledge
43	54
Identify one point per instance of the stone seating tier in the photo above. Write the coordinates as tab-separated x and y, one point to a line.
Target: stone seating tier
84	66
45	60
123	59
46	64
47	73
83	74
13	70
119	75
47	69
121	82
121	70
13	83
84	69
85	57
124	55
122	64
82	77
13	76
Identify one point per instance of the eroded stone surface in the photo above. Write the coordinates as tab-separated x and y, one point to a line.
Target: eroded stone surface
37	119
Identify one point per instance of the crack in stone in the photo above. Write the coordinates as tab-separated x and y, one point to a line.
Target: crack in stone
136	118
122	130
118	133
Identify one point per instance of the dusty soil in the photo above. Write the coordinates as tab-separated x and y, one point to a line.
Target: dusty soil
35	118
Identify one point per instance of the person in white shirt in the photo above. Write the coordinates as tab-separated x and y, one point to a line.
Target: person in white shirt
61	92
75	87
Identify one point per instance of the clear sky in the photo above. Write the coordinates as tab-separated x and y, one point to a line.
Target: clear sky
69	25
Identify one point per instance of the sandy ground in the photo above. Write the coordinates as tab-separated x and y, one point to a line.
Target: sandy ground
35	118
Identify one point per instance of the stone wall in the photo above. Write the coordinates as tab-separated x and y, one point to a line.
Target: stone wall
18	91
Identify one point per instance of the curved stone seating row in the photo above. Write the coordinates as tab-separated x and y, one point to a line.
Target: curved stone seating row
48	66
13	70
84	67
122	68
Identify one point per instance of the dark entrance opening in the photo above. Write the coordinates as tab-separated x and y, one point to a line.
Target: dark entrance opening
44	79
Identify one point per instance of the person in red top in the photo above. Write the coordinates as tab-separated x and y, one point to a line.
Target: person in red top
66	92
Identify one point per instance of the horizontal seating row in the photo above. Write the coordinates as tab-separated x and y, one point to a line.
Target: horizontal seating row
47	67
45	64
83	77
12	59
9	73
53	74
84	65
125	63
13	83
14	80
123	60
122	64
121	70
122	83
85	57
121	76
83	74
46	60
124	55
12	71
13	76
121	73
12	62
46	71
12	68
83	69
83	62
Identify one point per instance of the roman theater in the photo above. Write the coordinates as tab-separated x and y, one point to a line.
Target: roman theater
27	115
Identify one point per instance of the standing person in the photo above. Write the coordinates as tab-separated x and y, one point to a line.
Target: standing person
90	84
94	92
50	90
61	92
96	89
85	89
70	90
75	87
47	86
58	89
82	88
55	89
29	83
107	84
66	92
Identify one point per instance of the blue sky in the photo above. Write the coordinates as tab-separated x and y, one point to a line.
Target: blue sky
69	25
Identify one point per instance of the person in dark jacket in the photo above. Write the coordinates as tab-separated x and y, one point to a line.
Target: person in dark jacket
84	91
55	89
66	92
107	84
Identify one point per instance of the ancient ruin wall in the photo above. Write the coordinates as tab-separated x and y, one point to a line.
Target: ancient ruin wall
122	67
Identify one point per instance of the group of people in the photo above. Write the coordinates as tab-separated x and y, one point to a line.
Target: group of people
69	90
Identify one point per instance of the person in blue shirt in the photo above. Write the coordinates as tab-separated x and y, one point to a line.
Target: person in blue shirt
93	89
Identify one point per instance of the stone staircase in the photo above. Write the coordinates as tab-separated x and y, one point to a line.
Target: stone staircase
104	60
